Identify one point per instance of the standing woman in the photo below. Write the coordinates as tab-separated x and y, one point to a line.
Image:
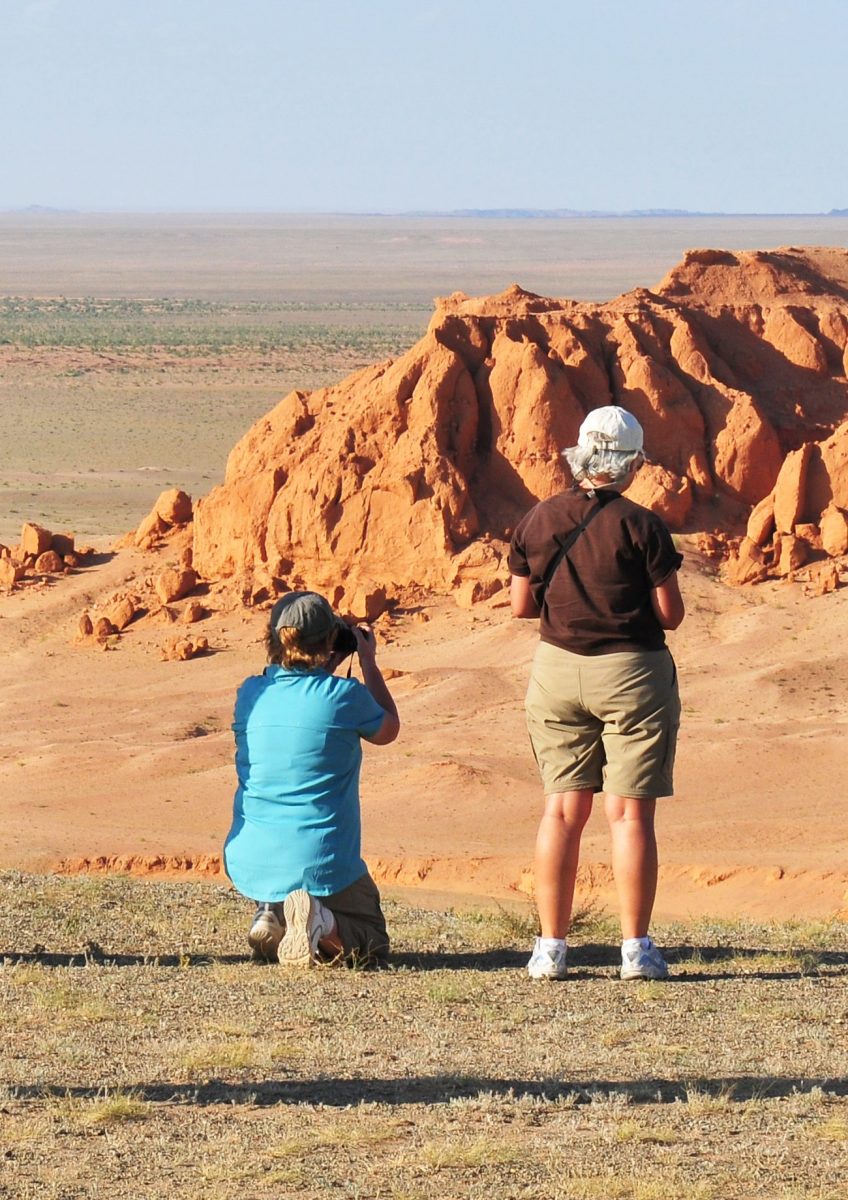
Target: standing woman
294	844
602	705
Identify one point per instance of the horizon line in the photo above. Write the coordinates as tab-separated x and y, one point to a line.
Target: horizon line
502	213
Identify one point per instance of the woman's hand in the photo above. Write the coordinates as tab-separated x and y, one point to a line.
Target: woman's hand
366	643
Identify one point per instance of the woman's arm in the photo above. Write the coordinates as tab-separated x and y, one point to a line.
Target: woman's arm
667	603
521	597
372	677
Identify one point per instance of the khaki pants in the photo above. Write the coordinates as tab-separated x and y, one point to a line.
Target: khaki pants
360	920
605	722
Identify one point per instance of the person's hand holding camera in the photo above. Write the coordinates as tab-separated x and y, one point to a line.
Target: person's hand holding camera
366	648
366	643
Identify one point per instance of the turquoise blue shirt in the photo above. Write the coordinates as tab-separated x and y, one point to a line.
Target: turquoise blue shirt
296	821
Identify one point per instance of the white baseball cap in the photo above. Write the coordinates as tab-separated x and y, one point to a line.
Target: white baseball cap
611	428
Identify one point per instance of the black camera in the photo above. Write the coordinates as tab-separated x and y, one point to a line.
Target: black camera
345	642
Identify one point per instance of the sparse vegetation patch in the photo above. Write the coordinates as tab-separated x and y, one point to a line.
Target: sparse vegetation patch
145	1054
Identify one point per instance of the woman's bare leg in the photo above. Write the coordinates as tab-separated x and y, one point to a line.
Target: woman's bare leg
634	860
557	854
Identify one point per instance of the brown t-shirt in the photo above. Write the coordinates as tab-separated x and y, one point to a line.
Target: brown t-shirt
599	598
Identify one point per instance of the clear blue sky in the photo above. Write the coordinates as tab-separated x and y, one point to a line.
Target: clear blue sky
391	105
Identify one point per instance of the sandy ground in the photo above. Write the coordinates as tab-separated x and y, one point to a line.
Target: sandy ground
115	759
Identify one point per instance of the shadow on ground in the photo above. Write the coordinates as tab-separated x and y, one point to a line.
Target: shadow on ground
692	964
441	1089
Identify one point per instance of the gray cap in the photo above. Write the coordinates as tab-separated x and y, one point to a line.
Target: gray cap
307	612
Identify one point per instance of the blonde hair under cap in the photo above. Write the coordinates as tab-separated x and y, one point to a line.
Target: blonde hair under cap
609	447
301	630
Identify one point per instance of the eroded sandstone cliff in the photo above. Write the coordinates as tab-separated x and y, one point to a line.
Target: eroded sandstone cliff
413	472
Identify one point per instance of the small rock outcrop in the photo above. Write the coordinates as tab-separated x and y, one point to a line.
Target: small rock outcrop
180	649
39	554
171	512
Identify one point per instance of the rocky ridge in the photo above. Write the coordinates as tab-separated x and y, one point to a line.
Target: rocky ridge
412	473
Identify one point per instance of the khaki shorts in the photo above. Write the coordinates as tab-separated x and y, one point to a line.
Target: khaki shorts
605	722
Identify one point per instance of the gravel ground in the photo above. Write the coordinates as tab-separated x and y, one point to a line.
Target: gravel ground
142	1052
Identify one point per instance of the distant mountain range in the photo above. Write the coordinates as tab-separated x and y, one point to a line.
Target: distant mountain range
479	213
37	210
542	213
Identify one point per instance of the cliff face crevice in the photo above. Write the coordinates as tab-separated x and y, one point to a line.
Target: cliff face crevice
733	363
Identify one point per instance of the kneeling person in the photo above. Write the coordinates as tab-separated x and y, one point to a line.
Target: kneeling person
294	844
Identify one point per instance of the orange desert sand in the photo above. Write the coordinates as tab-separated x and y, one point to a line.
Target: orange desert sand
395	493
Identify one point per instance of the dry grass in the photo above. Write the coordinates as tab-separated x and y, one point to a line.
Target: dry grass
144	1054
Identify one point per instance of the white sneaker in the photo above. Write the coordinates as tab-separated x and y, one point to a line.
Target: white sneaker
307	921
547	962
266	932
640	959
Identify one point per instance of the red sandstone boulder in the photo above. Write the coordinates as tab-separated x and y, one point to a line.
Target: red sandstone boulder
792	554
173	507
789	491
761	521
10	573
49	563
163	615
811	535
823	577
103	628
181	649
35	539
476	591
63	544
121	611
172	510
149	531
193	611
172	584
367	603
85	626
834	531
828	475
746	565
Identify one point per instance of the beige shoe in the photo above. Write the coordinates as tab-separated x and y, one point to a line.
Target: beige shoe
307	921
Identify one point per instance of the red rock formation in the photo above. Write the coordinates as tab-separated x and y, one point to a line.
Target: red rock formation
170	512
181	649
35	539
173	584
120	611
10	573
414	472
193	612
49	563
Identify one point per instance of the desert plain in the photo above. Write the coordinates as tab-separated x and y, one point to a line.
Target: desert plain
118	384
333	427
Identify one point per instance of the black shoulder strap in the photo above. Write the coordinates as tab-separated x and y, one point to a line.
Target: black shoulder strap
567	543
